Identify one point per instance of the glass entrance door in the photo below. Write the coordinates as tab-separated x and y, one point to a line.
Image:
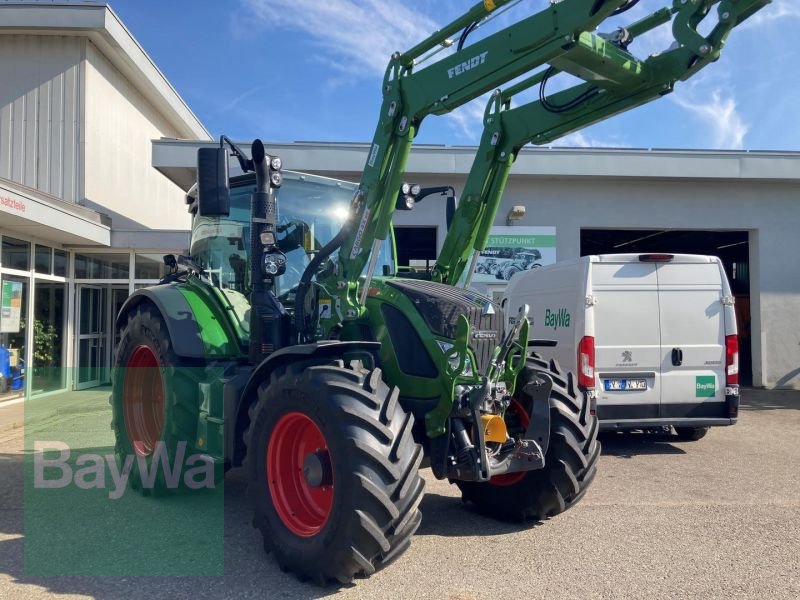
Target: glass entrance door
92	317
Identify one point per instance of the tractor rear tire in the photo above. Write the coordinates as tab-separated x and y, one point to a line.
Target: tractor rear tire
691	434
154	401
333	470
570	461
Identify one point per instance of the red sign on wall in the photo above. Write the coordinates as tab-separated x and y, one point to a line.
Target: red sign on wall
11	204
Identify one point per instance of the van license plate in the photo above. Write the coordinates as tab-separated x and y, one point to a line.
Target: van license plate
624	385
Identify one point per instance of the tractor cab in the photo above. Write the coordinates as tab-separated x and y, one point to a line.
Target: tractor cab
312	211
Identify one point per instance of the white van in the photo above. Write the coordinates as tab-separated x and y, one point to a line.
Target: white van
651	336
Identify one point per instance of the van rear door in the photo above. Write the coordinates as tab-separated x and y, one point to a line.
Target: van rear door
627	340
692	339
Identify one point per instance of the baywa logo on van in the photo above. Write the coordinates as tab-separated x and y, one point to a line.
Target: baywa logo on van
705	386
556	319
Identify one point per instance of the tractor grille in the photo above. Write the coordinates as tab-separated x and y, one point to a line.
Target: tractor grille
440	306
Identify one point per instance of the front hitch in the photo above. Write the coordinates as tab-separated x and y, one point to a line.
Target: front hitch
528	453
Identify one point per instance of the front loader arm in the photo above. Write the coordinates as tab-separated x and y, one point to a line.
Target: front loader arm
409	96
613	86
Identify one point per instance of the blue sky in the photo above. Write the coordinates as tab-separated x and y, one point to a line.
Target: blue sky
291	70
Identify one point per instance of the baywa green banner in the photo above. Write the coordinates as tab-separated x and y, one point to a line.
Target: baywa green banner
512	250
123	488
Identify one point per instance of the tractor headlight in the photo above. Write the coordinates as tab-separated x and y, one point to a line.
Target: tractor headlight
270	267
453	360
274	263
467	365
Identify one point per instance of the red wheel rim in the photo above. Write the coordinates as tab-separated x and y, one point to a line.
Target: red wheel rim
510	479
143	400
303	508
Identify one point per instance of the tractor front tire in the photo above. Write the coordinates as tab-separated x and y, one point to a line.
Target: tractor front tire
333	470
570	461
155	402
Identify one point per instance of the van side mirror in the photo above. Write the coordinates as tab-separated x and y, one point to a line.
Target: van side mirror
213	187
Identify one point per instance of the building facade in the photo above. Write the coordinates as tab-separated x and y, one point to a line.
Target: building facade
84	219
740	206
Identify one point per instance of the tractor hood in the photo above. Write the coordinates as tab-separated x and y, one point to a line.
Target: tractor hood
440	306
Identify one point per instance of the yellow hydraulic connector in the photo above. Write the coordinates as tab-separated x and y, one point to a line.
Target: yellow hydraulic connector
494	428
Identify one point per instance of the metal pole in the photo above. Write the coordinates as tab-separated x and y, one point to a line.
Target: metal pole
472	266
373	262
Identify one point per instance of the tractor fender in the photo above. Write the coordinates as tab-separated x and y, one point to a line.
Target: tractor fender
237	420
321	349
181	324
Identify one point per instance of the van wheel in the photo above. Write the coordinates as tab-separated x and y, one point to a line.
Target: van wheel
691	434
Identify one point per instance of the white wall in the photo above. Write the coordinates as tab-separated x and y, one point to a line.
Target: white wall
40	112
120	126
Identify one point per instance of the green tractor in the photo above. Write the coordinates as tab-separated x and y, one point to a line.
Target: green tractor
286	342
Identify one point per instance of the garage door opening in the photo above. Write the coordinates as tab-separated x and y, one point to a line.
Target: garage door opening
416	247
732	247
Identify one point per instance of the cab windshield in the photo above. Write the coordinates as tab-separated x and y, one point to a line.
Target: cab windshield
311	211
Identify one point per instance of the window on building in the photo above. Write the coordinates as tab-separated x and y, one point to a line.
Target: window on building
16	254
60	263
43	259
50	309
416	247
102	266
13	321
150	266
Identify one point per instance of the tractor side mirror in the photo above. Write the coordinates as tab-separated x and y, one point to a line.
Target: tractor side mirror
452	205
213	188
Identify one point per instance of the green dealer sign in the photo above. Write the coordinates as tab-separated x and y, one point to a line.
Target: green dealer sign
705	386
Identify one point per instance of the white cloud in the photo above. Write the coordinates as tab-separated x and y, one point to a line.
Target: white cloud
778	11
717	111
468	120
354	37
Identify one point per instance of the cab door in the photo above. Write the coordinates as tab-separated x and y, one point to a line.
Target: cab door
692	340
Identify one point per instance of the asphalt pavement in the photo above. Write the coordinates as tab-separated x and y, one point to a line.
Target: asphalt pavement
717	518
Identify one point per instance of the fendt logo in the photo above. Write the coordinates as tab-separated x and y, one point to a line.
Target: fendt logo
627	356
467	65
556	319
484	335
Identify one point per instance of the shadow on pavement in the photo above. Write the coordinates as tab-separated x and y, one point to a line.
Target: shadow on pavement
629	444
449	516
755	400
